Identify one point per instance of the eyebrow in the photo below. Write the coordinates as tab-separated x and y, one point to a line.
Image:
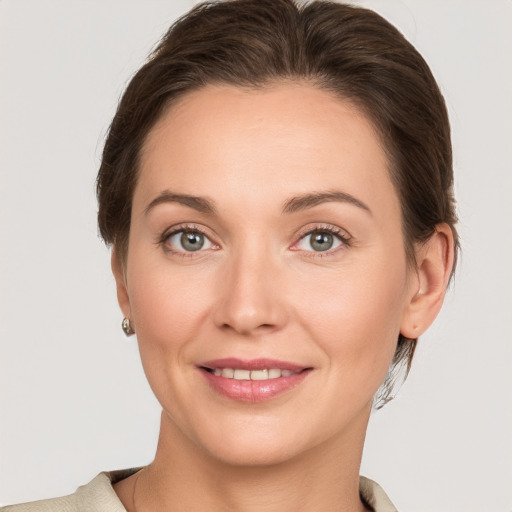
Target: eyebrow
292	205
200	204
306	201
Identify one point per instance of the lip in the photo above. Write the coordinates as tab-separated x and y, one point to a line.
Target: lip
252	364
253	391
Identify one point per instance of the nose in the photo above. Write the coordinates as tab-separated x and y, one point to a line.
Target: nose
251	300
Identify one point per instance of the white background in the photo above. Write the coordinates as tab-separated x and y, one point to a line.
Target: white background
73	398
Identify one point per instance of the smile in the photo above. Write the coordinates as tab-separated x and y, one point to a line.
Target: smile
252	381
239	374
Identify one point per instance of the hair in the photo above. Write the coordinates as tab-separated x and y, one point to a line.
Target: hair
350	51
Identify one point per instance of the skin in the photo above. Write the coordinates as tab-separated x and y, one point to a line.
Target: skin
258	289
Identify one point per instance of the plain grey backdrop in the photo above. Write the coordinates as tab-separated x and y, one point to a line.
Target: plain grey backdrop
73	397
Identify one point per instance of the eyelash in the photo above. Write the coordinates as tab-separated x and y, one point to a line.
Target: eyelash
342	235
183	228
345	239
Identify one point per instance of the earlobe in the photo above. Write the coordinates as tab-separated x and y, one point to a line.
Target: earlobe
434	266
118	269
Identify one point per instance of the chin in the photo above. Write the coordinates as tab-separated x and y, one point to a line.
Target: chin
255	453
253	441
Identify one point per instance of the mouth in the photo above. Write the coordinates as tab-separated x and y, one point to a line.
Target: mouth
240	374
253	380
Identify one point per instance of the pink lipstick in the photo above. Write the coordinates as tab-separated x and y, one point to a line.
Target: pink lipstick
254	380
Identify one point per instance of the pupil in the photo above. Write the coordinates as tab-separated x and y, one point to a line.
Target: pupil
192	241
322	241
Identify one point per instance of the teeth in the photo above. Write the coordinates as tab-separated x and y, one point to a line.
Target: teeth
259	375
242	375
265	374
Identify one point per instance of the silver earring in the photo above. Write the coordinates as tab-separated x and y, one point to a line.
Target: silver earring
127	327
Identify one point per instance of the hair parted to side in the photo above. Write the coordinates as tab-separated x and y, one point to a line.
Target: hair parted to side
350	51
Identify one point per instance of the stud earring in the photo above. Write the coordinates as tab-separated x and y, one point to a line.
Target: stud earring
127	327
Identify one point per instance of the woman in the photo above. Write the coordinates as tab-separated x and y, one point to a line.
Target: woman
277	189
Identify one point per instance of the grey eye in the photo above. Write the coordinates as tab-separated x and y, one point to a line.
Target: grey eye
319	241
192	241
189	241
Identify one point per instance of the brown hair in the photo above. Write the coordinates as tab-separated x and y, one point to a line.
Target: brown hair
348	50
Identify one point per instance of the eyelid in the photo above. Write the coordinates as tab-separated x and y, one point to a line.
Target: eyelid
338	232
186	227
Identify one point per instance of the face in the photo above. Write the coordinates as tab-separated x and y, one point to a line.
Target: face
266	274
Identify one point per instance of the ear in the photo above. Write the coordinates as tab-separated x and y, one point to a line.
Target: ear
119	271
434	263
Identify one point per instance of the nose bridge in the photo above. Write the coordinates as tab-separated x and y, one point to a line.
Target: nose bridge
250	299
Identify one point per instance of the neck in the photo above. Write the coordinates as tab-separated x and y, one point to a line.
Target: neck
325	478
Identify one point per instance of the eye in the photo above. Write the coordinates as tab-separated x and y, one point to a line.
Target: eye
320	240
188	241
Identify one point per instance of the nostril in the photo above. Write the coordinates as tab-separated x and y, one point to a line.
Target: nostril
241	313
247	328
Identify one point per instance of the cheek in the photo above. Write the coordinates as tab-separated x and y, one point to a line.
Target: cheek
168	309
167	306
355	317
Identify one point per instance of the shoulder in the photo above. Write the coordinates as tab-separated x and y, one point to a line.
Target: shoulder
65	503
374	496
96	496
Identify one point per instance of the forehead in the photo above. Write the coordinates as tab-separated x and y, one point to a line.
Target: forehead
283	139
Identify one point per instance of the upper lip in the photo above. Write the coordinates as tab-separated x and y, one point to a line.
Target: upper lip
252	364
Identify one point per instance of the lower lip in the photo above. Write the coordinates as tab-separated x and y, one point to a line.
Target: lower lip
254	390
